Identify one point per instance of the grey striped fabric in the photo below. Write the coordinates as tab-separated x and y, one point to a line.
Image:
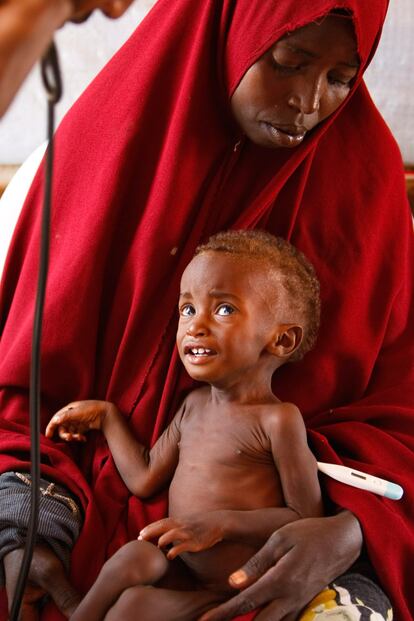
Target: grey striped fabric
60	520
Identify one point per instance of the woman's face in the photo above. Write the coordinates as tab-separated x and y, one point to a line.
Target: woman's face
300	81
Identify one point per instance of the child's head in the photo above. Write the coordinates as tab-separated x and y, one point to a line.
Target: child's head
284	265
245	296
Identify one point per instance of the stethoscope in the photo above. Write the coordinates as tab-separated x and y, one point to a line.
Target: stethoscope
52	82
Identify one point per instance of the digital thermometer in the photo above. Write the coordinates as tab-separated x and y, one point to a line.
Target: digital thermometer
362	480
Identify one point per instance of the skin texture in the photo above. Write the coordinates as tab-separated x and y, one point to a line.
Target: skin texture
300	81
255	472
293	556
26	30
47	576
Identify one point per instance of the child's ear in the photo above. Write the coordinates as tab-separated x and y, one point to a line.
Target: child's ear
286	340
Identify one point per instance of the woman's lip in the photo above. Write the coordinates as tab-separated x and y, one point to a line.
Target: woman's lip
286	136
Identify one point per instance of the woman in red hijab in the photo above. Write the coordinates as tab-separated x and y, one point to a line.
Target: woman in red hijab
167	146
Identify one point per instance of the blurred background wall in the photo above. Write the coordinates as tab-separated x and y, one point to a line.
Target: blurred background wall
85	49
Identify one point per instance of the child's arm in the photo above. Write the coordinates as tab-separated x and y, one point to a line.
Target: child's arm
143	471
201	531
298	472
294	461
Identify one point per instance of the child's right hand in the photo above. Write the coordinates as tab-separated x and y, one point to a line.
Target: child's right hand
76	418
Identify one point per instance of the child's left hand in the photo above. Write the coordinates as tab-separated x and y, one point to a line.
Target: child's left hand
194	533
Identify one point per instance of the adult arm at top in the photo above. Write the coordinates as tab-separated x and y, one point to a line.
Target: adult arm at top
26	30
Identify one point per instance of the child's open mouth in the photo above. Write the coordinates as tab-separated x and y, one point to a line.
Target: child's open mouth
198	353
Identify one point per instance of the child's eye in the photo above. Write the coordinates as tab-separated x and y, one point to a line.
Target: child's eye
187	310
224	310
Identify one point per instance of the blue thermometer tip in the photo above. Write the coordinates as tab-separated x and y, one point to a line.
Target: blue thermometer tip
393	491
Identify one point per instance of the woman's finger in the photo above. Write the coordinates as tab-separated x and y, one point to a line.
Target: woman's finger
246	601
258	594
115	8
273	550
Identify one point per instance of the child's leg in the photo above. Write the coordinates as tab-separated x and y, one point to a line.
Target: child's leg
156	604
136	563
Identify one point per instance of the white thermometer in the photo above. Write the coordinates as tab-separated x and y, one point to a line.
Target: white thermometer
362	480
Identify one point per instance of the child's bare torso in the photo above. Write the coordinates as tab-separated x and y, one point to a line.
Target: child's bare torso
225	462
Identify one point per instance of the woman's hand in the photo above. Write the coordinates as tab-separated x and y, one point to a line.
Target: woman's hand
295	564
78	417
111	8
46	576
27	28
190	534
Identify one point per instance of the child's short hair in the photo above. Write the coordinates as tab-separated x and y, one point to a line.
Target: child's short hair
298	276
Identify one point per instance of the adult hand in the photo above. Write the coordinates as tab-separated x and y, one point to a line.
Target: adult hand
46	576
27	28
111	8
190	534
295	564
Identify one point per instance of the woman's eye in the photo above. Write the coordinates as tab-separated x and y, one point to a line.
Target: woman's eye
341	82
284	69
187	310
224	310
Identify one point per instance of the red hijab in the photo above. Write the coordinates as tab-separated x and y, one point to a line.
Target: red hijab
149	163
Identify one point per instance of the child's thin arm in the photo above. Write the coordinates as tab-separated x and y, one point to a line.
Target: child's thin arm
143	471
295	462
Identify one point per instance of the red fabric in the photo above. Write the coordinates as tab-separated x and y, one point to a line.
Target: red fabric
146	168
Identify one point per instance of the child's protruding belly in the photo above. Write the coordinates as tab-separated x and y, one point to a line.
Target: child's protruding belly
212	568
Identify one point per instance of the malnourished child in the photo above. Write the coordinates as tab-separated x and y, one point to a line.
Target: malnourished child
235	457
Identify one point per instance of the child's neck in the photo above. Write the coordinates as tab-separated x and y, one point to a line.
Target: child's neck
243	393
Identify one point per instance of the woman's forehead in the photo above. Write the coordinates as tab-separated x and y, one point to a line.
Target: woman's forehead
334	30
256	26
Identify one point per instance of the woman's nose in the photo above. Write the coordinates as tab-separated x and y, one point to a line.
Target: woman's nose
307	95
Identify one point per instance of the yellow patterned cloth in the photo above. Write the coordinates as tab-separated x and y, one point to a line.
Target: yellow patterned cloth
352	597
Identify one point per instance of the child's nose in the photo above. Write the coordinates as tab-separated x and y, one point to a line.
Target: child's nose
198	327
